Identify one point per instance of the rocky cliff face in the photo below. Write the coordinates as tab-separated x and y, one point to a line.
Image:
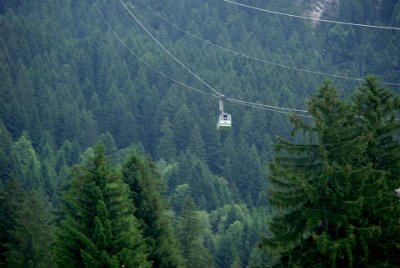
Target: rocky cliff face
320	7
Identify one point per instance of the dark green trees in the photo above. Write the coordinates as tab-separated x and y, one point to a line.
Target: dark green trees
189	231
333	196
307	192
166	148
25	231
98	228
32	235
11	197
147	192
378	107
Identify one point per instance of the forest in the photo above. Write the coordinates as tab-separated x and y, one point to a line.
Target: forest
110	154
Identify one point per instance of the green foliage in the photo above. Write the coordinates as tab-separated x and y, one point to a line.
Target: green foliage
27	164
11	196
6	153
147	193
32	235
378	107
327	191
66	81
98	227
166	148
189	233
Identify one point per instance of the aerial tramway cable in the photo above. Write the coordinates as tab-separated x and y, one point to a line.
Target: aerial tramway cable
252	104
314	19
166	50
146	63
240	102
276	109
358	79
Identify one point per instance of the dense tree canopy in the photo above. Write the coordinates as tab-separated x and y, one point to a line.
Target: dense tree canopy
75	73
334	193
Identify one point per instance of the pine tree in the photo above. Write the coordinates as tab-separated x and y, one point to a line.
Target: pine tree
196	144
166	148
315	188
378	106
331	196
6	153
189	232
147	191
11	197
183	123
32	235
98	228
27	164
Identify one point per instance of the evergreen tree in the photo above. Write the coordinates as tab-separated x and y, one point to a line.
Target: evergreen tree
183	123
147	191
32	235
166	148
27	164
98	228
11	197
196	144
110	148
228	246
49	174
378	106
308	190
189	232
6	153
324	191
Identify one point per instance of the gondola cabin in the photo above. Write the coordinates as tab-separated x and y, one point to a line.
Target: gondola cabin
224	121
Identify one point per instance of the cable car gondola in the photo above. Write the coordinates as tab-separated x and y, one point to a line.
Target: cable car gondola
224	119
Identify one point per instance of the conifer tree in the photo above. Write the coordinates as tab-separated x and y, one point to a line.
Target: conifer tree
166	148
315	187
6	153
327	192
378	106
98	228
27	164
32	235
147	190
11	197
196	144
189	232
183	122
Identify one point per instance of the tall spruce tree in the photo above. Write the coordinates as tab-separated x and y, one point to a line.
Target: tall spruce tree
11	197
6	153
190	236
324	189
147	190
98	227
378	106
32	235
166	148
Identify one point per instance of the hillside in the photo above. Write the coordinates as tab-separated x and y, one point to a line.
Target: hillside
78	72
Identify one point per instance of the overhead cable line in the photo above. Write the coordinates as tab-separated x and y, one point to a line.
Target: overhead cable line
166	50
258	59
251	104
267	106
314	19
240	102
146	63
264	107
231	99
